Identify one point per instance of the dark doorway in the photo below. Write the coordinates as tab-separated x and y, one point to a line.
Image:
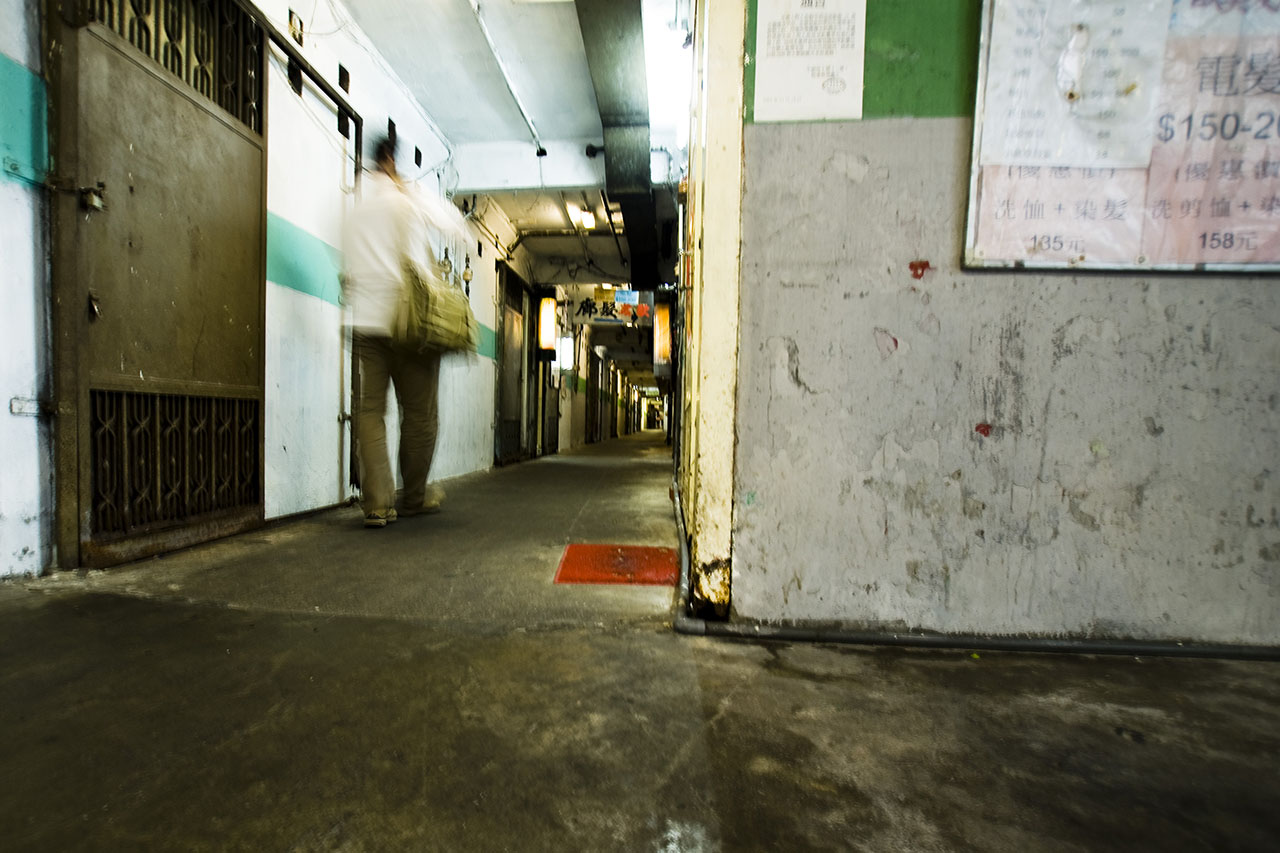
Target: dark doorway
512	368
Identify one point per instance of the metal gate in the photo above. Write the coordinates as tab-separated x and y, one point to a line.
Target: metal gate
157	117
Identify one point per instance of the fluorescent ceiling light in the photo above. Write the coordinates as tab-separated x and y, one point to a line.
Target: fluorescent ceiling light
588	220
669	68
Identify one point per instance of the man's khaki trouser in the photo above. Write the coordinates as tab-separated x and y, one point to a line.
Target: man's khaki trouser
417	384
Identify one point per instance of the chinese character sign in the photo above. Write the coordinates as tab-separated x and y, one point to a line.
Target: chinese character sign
1202	188
596	306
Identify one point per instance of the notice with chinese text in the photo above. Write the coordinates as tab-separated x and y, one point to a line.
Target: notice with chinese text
808	60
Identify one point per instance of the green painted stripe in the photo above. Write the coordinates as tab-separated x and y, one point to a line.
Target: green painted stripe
488	342
582	384
24	136
922	58
749	65
301	261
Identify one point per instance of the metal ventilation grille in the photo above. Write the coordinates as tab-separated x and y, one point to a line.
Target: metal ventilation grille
211	45
160	460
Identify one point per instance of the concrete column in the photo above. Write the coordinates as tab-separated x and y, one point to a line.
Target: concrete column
717	229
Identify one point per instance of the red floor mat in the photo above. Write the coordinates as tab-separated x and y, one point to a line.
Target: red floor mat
629	564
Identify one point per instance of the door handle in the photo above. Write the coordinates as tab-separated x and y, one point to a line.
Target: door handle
95	308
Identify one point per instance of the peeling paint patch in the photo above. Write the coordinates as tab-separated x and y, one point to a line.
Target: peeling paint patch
793	367
795	583
1153	429
711	587
1271	553
1256	521
885	342
851	167
1082	518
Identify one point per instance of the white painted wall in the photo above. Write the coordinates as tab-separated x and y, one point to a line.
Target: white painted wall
310	184
26	499
20	34
1129	487
307	388
309	178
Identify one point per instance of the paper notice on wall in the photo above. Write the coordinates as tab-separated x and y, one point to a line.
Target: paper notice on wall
1073	83
809	60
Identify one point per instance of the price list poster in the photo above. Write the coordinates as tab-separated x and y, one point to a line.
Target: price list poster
1128	134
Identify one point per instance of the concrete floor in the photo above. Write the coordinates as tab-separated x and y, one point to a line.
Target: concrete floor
317	686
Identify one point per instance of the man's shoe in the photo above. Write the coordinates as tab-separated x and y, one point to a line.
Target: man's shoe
431	503
379	518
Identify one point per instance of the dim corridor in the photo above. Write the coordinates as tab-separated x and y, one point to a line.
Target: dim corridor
314	685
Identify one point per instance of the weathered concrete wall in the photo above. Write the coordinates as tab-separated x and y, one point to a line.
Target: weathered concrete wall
1128	484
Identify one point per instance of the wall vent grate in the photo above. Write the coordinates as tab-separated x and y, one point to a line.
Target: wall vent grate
161	460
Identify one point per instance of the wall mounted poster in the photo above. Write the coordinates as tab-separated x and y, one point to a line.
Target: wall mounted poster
1127	134
807	59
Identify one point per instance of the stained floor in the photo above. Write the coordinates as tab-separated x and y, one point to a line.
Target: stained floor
317	686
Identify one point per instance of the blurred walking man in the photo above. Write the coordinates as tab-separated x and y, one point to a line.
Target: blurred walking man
386	229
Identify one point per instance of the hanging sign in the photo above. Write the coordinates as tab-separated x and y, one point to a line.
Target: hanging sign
592	306
1127	134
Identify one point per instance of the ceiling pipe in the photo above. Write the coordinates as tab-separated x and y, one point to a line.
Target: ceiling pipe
506	78
551	232
613	37
616	242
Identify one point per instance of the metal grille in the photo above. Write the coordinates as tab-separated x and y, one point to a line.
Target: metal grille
211	45
160	460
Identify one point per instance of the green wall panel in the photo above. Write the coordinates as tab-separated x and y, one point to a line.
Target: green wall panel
921	58
24	138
